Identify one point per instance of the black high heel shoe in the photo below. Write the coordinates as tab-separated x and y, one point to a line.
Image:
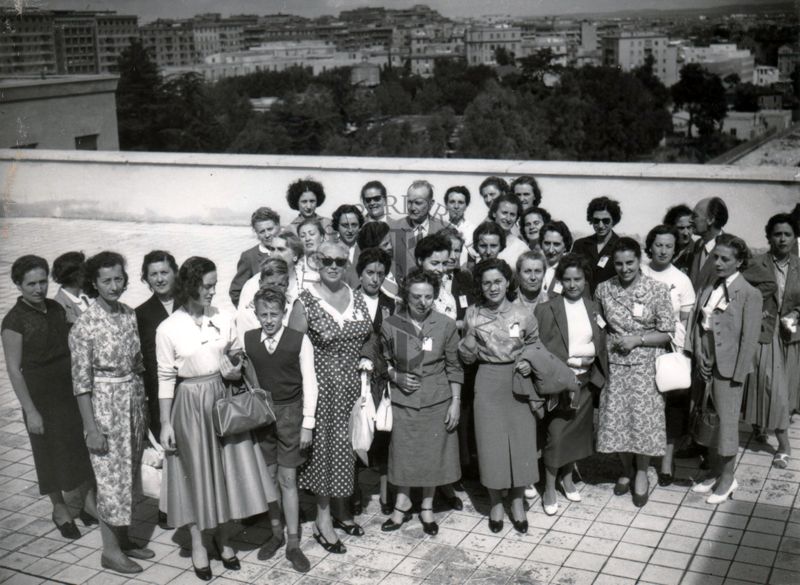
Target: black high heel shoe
67	529
495	525
351	529
232	563
386	507
203	573
431	528
87	519
639	500
390	525
335	547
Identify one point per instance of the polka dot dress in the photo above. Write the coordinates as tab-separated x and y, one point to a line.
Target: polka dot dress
330	468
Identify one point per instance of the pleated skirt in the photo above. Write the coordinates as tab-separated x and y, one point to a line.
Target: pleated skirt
422	453
766	391
211	480
505	430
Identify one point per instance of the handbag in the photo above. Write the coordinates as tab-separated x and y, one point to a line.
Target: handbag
705	421
242	412
673	371
362	421
150	469
383	414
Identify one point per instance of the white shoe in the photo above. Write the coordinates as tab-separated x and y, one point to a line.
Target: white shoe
573	496
550	510
705	486
530	492
719	498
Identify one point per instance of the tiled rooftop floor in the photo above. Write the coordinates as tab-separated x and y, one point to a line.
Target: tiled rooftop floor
675	538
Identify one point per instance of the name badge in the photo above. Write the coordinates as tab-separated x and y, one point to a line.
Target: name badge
427	344
558	287
601	323
603	261
723	305
513	330
463	303
638	310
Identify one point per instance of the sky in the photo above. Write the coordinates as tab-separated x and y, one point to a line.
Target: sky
150	9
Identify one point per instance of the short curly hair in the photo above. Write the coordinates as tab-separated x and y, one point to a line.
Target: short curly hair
301	186
416	276
270	294
505	198
69	269
604	204
573	260
345	209
104	259
498	182
315	221
190	277
158	256
676	212
529	180
659	230
24	264
489	228
739	247
461	190
373	185
561	229
485	266
372	234
264	214
776	219
626	244
430	244
371	255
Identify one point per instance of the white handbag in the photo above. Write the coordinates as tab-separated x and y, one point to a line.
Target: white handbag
383	416
673	371
150	470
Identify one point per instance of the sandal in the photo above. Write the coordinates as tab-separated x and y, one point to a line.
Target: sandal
780	461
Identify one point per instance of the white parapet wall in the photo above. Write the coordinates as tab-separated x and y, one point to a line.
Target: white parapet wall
225	189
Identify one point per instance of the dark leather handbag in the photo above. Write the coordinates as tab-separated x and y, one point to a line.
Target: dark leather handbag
242	412
705	421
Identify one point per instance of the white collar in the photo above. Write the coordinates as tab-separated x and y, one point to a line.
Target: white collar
262	249
276	337
77	300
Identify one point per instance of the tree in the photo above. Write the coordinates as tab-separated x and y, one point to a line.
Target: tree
732	79
535	66
745	98
702	95
139	99
503	56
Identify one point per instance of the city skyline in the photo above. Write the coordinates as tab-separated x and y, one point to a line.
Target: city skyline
149	10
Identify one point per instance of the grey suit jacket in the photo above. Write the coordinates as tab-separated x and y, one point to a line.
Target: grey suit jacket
405	241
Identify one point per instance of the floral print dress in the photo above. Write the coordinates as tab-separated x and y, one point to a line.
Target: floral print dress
631	408
107	363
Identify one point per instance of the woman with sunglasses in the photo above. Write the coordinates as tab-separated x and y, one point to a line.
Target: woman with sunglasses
603	214
337	321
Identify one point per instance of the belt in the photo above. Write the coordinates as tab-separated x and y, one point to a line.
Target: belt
197	379
115	379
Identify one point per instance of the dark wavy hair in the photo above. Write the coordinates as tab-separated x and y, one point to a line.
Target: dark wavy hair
371	255
301	186
739	247
771	223
573	260
541	212
561	229
460	189
343	209
69	269
415	276
496	181
675	213
604	204
489	228
190	277
505	198
626	244
25	264
659	230
104	259
431	243
270	294
528	180
372	234
494	264
158	256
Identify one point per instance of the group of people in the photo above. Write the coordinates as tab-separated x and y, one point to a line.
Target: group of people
494	343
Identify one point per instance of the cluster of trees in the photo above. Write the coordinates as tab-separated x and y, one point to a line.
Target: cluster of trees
592	113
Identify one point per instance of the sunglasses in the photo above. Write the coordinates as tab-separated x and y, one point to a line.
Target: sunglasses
601	220
376	199
327	262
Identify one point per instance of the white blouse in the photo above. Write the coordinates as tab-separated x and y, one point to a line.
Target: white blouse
581	343
187	350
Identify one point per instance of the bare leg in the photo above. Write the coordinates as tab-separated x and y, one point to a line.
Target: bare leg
549	497
89	500
287	481
496	502
627	468
324	522
199	552
666	460
61	513
426	513
517	508
642	463
726	466
783	441
223	536
402	502
565	476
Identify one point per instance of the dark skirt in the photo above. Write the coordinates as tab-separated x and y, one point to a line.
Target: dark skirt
505	430
59	455
676	412
422	452
569	432
211	480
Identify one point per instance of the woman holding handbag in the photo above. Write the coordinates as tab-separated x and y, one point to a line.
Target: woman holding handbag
420	346
211	480
570	327
723	337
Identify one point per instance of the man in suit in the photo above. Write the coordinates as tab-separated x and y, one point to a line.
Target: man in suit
265	223
415	226
709	217
373	198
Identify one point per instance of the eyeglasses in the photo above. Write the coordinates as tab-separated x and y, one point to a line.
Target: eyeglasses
327	262
601	220
375	199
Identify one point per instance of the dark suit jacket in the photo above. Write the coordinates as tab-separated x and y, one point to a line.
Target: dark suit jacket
149	316
248	265
760	273
554	334
587	247
702	274
372	347
463	289
736	329
405	241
